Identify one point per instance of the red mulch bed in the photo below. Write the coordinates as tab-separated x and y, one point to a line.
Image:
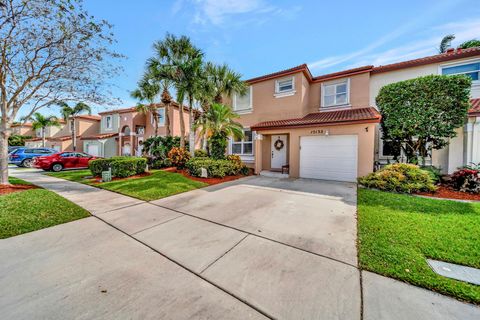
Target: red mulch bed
15	188
145	174
448	193
209	181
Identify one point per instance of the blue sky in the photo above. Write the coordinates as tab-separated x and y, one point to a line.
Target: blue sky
256	37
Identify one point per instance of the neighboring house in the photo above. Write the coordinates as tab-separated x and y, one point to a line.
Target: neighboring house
51	131
123	131
313	127
23	129
463	149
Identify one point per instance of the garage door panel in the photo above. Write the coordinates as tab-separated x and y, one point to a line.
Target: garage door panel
329	157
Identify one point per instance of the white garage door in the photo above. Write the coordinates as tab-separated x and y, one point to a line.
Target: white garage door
329	157
92	149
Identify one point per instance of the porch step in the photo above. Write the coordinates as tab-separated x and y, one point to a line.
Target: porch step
273	174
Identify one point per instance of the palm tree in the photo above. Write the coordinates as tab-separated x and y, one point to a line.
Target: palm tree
218	123
147	91
166	99
445	43
39	121
180	61
225	81
69	114
470	44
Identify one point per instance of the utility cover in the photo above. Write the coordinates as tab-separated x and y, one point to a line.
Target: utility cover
455	271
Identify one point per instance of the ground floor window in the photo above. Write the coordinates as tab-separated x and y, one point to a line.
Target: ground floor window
245	145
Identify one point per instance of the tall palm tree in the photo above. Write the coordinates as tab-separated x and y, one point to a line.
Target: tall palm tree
225	81
445	43
69	114
146	92
166	99
40	121
219	123
177	59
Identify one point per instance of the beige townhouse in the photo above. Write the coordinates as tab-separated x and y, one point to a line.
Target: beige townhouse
23	129
309	127
122	131
463	149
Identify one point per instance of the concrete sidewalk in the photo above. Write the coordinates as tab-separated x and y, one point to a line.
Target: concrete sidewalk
146	249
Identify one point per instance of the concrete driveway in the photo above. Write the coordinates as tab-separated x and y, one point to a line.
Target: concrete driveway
254	248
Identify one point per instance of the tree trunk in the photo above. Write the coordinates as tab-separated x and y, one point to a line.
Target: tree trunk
167	118
191	135
182	127
4	134
155	123
74	136
43	137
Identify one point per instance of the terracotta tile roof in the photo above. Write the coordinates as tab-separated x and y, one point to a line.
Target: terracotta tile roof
302	67
88	117
343	73
336	117
100	136
34	139
25	124
61	138
134	109
475	110
447	56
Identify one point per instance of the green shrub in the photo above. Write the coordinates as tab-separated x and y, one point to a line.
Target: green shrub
399	177
199	153
217	168
160	163
121	166
218	146
178	156
434	173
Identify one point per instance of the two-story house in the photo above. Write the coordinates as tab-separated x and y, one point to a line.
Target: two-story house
122	131
23	129
463	149
50	131
311	127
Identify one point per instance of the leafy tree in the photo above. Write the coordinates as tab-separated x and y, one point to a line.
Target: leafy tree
41	122
421	114
445	43
470	44
51	50
225	81
218	123
69	114
17	140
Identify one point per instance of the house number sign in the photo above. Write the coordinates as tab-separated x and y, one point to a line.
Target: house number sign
317	131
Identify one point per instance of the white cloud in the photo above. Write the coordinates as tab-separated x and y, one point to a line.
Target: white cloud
368	55
220	12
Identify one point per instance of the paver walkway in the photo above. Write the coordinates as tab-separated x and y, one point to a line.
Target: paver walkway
179	259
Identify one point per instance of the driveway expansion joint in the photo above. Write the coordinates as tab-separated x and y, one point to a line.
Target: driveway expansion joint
156	225
223	255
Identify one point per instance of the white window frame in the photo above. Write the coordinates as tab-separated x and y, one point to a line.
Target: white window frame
336	83
249	109
242	143
457	64
107	127
160	124
284	93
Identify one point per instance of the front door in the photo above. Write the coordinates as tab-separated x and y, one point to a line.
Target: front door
279	151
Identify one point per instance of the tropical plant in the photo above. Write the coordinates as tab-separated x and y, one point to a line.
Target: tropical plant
422	114
69	114
147	91
17	140
445	43
41	122
177	59
225	81
470	44
51	50
218	124
178	156
466	180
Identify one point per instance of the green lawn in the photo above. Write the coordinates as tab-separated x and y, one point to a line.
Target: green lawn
159	184
398	232
34	209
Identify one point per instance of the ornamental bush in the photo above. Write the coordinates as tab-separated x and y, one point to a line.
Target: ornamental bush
200	153
466	180
218	145
178	156
217	168
399	177
122	167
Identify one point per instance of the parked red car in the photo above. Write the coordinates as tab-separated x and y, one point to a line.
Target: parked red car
63	160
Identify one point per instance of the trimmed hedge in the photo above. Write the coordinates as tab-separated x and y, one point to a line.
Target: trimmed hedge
399	177
122	167
217	168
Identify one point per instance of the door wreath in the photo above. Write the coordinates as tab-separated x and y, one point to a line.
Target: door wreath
279	144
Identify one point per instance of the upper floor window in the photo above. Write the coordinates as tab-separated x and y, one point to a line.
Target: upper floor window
335	94
108	122
285	86
470	69
243	146
243	103
160	117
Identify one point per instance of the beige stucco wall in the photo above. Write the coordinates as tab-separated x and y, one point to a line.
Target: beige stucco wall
23	130
174	124
365	133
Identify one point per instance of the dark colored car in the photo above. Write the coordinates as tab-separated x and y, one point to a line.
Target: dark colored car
23	157
63	160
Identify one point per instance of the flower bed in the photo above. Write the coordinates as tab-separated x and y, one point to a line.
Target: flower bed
446	192
209	181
